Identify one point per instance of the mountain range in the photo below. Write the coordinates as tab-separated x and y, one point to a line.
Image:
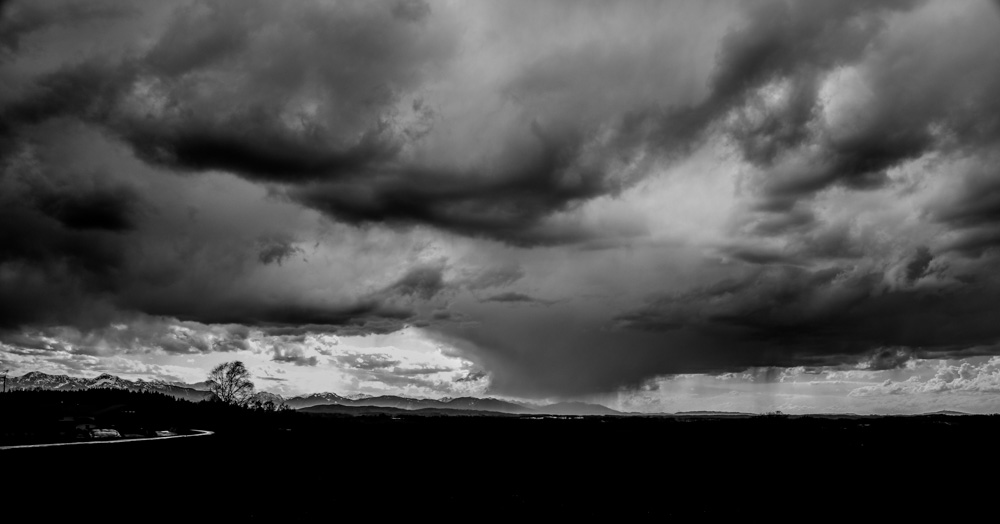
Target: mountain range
39	380
332	401
407	403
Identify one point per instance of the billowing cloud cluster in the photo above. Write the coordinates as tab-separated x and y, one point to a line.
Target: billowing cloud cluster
572	197
965	377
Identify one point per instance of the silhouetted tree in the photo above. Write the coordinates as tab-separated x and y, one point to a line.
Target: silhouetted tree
267	405
230	381
260	405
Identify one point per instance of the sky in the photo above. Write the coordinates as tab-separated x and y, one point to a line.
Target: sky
658	206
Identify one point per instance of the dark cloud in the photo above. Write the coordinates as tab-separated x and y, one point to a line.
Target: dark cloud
108	210
276	250
512	297
411	10
292	315
919	264
498	276
759	255
817	243
76	248
972	208
802	314
779	38
87	90
777	223
21	18
209	146
442	315
421	282
62	238
975	242
510	206
360	326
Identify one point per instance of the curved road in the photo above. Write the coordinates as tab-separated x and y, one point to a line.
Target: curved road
201	433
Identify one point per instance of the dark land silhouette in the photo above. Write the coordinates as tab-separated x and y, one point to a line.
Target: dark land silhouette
263	464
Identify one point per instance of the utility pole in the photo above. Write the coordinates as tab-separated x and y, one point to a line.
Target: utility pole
5	379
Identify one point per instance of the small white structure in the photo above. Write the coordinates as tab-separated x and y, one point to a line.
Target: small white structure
104	433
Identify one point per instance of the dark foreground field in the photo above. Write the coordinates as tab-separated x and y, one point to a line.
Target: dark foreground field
470	468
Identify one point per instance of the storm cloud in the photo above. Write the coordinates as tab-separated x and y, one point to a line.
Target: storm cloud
571	198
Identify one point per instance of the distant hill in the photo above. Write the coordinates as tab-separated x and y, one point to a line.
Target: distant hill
314	399
489	404
576	408
713	414
200	386
485	404
406	403
337	409
393	401
353	410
